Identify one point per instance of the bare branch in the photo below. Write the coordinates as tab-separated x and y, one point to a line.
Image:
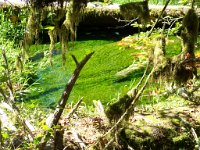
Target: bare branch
151	31
75	60
126	25
132	104
132	93
68	88
195	137
16	110
74	108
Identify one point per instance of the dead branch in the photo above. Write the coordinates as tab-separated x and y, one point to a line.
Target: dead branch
77	139
110	142
74	108
68	88
195	137
132	104
10	100
151	31
63	100
126	25
135	96
16	111
132	91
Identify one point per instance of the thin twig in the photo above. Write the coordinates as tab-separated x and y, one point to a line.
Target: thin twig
78	139
107	145
151	31
195	137
74	108
131	106
132	93
10	100
128	24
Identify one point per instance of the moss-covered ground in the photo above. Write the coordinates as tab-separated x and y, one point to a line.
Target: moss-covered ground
97	80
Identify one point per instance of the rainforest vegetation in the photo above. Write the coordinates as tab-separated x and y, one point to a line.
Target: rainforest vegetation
99	75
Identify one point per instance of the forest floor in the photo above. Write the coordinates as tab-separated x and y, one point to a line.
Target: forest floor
166	128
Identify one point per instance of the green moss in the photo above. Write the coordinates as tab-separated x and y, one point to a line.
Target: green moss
96	80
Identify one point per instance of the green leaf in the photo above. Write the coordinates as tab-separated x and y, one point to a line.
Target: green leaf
3	79
5	135
49	27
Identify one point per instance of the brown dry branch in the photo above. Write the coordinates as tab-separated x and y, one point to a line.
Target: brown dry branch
77	139
74	108
68	88
63	100
159	17
139	83
132	104
75	60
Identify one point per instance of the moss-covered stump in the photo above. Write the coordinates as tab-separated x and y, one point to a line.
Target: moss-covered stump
164	129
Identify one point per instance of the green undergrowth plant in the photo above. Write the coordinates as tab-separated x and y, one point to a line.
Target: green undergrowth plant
13	23
22	73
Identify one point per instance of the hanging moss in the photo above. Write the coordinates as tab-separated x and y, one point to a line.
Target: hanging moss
52	35
74	16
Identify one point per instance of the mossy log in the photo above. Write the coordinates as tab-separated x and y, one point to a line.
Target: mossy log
110	15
